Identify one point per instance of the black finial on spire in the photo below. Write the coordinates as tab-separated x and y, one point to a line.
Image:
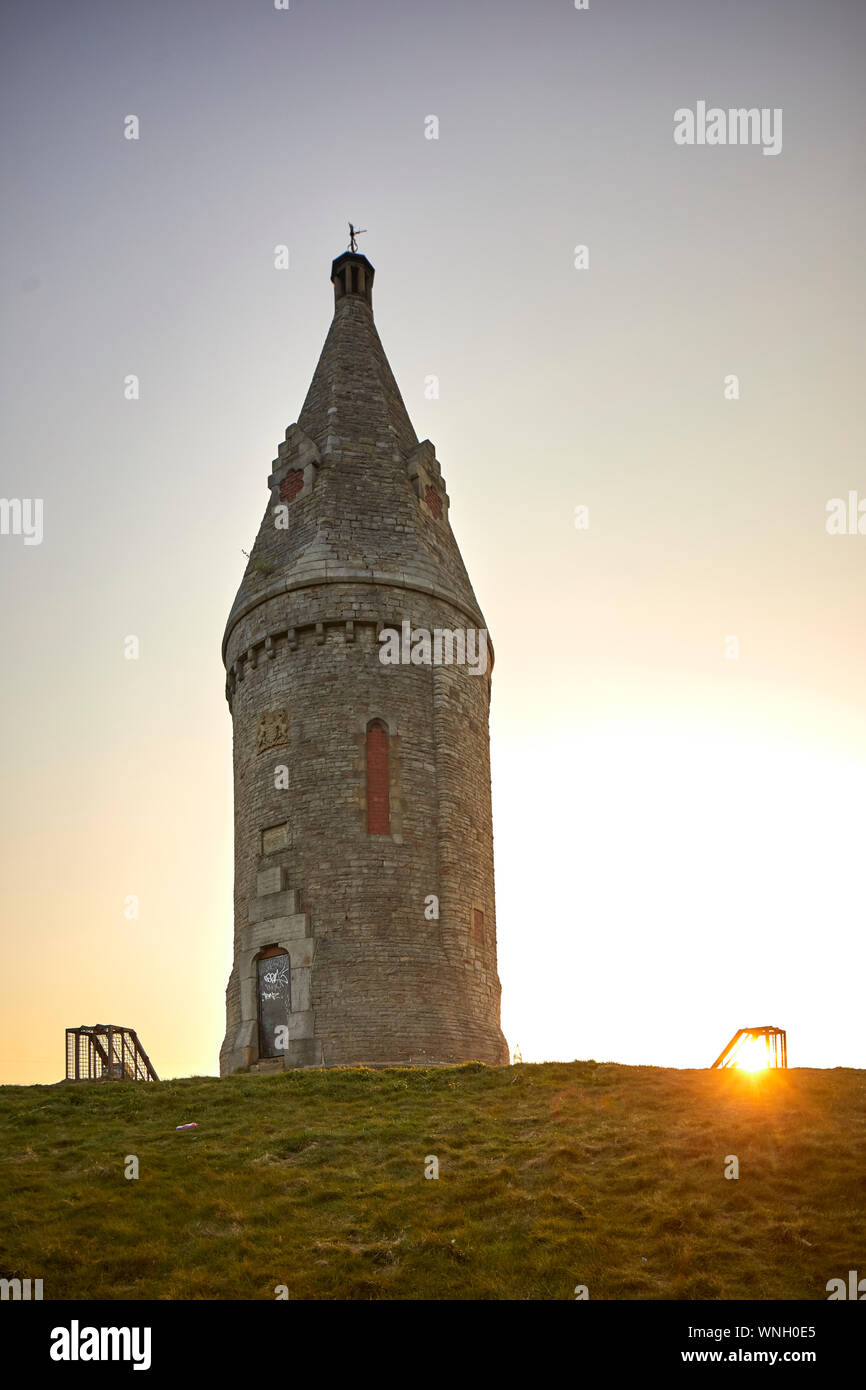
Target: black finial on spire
352	274
353	233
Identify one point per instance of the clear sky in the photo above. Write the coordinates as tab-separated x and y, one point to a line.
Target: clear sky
679	832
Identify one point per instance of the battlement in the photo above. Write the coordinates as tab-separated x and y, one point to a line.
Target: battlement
282	641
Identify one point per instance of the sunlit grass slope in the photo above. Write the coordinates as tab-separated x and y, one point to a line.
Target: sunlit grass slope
549	1177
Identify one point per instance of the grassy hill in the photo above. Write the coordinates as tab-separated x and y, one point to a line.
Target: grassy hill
550	1176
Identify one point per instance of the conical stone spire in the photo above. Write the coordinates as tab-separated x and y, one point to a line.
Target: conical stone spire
352	473
353	386
363	835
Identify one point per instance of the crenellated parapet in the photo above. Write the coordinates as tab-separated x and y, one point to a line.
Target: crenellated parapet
282	640
295	468
426	478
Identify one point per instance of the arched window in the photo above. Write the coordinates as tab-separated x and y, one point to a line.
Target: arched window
378	789
274	979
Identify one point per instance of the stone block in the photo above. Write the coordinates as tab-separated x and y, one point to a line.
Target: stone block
271	880
283	904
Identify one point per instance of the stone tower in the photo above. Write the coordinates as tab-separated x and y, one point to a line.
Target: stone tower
365	929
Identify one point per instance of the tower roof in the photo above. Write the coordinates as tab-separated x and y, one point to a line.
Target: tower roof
362	498
353	392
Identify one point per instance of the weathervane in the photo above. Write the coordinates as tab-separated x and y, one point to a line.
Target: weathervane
353	233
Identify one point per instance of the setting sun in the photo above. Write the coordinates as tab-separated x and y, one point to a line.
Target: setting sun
754	1055
755	1049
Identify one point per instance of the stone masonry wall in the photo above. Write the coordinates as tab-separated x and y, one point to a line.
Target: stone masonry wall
387	983
374	979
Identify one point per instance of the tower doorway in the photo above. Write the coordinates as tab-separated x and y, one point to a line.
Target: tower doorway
274	980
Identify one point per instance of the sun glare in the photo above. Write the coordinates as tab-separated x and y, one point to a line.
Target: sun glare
754	1055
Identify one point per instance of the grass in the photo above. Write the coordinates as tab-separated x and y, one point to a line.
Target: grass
550	1176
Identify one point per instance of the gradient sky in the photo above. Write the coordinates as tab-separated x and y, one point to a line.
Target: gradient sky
679	836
